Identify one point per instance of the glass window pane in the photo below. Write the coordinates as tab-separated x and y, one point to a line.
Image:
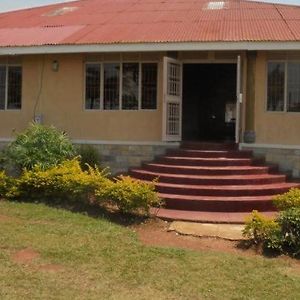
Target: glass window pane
275	86
130	91
149	85
111	86
293	87
92	86
14	92
2	86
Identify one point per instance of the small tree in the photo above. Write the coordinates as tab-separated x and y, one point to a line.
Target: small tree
39	145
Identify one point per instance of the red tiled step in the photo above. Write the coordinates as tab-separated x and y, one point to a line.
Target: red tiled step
204	217
218	203
208	146
199	161
207	180
224	190
209	153
208	170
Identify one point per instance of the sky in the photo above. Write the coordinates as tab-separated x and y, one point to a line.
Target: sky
7	5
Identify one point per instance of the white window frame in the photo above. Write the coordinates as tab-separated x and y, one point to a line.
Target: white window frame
101	63
6	87
285	104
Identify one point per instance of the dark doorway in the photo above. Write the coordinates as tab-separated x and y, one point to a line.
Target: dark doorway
209	96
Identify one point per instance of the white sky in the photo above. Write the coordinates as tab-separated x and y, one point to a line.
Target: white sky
6	5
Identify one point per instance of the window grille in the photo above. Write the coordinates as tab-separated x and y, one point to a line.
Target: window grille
283	87
149	85
130	88
111	86
92	86
10	87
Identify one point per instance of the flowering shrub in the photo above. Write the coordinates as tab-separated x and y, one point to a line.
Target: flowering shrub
64	182
288	200
129	194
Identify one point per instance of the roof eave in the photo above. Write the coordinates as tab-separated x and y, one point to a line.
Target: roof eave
152	47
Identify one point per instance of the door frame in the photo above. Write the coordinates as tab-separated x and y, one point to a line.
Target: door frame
239	85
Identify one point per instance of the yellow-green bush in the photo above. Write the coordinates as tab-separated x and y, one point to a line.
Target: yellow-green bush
263	231
129	194
5	184
288	200
64	182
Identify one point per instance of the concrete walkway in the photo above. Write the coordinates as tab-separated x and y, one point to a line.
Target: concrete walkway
224	231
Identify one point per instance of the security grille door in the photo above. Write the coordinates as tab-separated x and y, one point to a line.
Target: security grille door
172	102
239	97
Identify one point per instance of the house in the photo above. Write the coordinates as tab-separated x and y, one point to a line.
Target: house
135	78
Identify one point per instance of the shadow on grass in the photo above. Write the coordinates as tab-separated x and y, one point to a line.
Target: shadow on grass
246	245
95	211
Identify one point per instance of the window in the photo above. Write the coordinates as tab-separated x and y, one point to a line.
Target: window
111	86
92	86
130	90
114	86
149	85
283	86
10	87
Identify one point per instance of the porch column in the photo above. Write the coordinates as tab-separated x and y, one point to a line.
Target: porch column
249	135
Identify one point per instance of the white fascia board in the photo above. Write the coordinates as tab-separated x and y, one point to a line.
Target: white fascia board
145	47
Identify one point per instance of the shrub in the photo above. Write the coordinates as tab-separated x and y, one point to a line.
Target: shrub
6	184
39	145
64	182
129	194
289	221
288	200
89	156
263	231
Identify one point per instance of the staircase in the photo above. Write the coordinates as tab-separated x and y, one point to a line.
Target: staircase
212	182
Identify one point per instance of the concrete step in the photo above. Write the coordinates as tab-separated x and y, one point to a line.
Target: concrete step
207	180
209	153
225	190
205	217
199	161
209	170
218	203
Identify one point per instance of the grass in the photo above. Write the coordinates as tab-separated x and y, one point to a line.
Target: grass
102	260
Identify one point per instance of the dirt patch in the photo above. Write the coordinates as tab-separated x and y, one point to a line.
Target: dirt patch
25	256
4	218
53	268
154	232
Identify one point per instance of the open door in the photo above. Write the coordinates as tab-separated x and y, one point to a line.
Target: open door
172	100
239	99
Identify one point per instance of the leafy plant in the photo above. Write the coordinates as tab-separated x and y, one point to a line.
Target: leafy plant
39	145
260	229
288	200
6	184
89	156
64	182
289	222
129	194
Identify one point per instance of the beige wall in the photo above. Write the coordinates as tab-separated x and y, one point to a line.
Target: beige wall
61	102
273	127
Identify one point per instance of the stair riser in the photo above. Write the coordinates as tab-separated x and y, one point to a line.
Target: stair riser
175	170
203	163
196	181
220	192
230	154
208	146
219	206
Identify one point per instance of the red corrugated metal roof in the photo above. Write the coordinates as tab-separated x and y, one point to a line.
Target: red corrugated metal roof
145	21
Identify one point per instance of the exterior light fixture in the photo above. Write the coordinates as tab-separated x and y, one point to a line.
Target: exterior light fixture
55	66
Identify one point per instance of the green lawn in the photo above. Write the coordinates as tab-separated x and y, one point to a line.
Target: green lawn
102	260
